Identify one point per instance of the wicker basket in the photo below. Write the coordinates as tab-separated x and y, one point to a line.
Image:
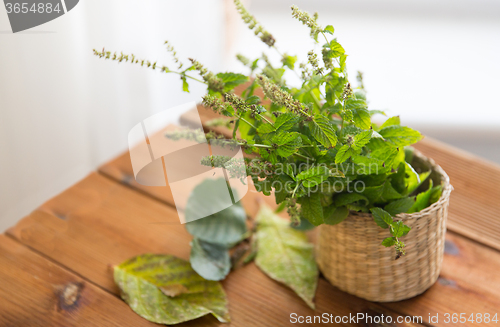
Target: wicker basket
350	255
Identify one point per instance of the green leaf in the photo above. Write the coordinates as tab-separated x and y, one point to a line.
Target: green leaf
285	121
436	193
399	206
373	193
223	227
289	61
398	179
414	180
343	199
381	217
185	85
399	229
361	139
333	215
356	103
400	136
210	261
145	281
423	200
391	121
322	130
235	129
337	49
288	143
360	115
231	80
285	255
265	128
329	29
344	153
253	99
390	241
313	176
389	193
290	171
361	118
264	186
367	165
311	209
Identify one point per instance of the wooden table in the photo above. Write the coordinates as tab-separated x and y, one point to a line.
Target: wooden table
55	263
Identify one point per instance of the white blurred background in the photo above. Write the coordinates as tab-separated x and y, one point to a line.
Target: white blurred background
63	112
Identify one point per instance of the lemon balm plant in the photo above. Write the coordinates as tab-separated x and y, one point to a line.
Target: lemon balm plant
318	149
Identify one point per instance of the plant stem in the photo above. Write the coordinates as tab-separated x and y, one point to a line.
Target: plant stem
193	78
261	116
246	121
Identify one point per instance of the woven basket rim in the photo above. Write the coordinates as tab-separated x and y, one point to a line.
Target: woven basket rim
447	188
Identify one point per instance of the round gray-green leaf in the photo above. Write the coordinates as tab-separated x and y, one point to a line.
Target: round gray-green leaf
210	260
166	290
224	227
285	255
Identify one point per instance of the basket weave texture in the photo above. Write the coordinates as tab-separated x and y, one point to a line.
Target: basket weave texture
351	257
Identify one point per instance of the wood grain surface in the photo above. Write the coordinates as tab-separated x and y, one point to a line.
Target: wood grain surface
37	292
117	223
73	240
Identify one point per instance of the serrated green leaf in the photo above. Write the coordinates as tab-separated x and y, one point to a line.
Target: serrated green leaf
334	216
311	208
313	176
142	278
400	136
322	130
211	261
231	80
390	241
288	143
390	122
399	229
329	29
400	206
361	118
337	49
361	139
381	217
344	153
285	255
285	121
356	103
284	138
223	227
367	165
265	128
